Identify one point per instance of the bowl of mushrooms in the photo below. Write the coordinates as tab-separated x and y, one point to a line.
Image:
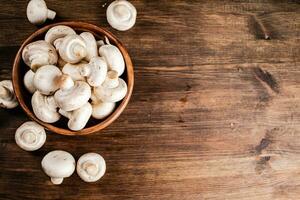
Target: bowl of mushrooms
73	78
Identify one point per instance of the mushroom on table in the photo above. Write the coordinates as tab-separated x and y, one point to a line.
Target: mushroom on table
7	96
121	15
58	165
38	13
30	136
91	167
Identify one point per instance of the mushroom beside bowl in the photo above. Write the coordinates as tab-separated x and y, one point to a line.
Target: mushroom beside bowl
60	127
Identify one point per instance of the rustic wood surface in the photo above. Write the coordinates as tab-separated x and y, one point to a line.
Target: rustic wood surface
215	112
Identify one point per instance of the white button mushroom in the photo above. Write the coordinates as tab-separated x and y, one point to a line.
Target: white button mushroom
44	108
39	53
72	49
101	109
91	45
49	78
73	98
78	118
113	89
91	167
113	57
121	15
30	136
73	70
38	13
58	165
28	81
7	96
95	71
58	32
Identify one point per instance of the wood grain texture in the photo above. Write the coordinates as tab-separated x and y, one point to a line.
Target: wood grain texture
214	113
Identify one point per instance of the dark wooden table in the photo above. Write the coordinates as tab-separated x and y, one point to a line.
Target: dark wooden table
215	112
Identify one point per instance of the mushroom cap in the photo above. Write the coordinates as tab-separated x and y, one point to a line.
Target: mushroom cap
107	94
58	165
91	45
37	11
44	107
111	80
39	53
78	118
30	136
102	109
72	49
7	96
113	57
58	32
121	15
73	70
46	79
28	81
57	44
95	71
74	97
91	167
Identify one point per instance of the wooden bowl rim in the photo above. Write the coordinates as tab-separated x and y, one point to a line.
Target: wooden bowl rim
83	26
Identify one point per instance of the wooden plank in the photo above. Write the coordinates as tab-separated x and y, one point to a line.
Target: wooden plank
215	110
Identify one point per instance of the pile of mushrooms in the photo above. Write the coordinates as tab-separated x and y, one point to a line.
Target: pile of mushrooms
73	76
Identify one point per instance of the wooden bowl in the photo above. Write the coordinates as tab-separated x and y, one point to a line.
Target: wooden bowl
60	127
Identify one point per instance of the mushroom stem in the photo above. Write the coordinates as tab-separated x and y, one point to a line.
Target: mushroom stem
29	137
5	93
90	168
56	181
51	14
79	51
112	80
65	113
